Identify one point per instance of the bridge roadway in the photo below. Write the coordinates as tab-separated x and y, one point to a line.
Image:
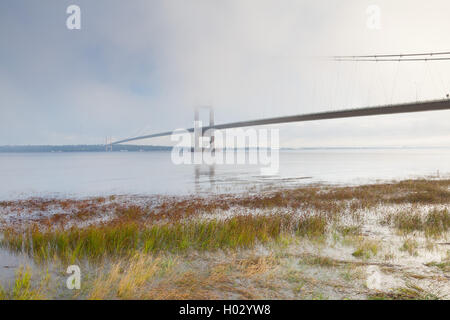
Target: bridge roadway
422	106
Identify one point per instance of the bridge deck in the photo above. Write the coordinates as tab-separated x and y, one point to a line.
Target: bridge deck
433	105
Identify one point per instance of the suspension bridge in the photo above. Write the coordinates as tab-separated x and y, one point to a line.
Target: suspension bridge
402	108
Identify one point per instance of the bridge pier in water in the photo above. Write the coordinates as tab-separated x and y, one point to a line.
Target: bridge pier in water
108	145
199	129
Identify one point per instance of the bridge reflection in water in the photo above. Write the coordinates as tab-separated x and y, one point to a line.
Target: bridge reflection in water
207	171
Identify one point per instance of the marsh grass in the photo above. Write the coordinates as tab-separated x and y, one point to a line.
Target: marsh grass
319	261
410	246
351	230
126	278
433	224
444	264
366	249
408	222
313	226
322	199
437	222
257	265
409	292
23	289
96	242
173	225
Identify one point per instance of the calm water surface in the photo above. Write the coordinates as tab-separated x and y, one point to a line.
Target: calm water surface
24	175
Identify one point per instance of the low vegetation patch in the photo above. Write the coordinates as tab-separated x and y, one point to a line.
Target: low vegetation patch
366	249
410	246
434	223
443	265
409	292
23	289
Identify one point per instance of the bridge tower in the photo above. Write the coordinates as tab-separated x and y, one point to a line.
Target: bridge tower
108	144
198	134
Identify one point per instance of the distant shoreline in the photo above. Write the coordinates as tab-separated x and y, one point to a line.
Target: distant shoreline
140	148
79	148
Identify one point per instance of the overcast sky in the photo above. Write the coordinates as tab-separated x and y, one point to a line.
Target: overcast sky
140	67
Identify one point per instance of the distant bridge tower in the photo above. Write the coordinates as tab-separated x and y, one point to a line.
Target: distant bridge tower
198	134
108	144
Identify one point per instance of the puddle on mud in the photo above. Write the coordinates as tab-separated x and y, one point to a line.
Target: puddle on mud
10	262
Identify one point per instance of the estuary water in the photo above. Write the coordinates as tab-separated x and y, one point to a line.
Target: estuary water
78	175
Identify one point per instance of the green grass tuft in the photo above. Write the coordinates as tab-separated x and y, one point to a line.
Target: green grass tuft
95	242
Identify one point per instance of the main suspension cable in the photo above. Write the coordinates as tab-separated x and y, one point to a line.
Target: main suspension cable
391	60
401	55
